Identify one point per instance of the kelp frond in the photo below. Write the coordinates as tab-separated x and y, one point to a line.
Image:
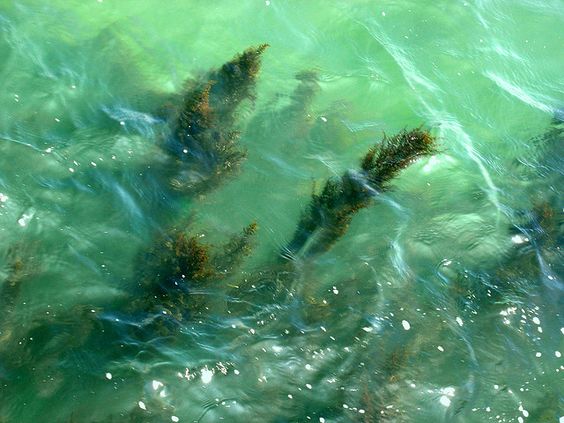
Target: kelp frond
236	81
330	212
196	114
184	258
181	265
203	134
242	70
236	250
21	266
384	161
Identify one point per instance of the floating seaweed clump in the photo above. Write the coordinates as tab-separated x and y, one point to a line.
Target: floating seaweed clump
204	139
330	212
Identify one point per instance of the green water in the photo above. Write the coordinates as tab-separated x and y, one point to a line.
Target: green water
442	302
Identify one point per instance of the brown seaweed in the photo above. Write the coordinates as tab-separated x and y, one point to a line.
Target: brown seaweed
180	267
21	266
203	136
235	82
329	213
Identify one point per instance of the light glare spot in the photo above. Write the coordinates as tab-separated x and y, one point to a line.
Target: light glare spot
445	401
207	375
519	239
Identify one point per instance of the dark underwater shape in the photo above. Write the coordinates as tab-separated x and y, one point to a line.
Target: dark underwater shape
330	212
203	136
179	266
21	266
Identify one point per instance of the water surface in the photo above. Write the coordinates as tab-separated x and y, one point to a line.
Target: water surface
443	301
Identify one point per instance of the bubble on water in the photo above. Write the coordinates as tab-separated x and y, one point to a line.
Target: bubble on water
109	376
405	324
142	405
459	321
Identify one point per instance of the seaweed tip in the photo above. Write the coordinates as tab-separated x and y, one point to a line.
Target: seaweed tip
251	229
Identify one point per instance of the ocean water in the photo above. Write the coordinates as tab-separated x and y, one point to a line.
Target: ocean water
442	302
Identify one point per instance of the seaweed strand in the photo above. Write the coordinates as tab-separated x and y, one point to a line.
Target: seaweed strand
204	138
329	213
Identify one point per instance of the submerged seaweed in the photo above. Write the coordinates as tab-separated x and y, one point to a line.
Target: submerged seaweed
20	268
180	271
203	136
330	212
180	268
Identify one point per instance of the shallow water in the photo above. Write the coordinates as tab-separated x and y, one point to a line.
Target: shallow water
443	301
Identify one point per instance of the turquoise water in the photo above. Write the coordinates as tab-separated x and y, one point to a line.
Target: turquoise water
442	302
